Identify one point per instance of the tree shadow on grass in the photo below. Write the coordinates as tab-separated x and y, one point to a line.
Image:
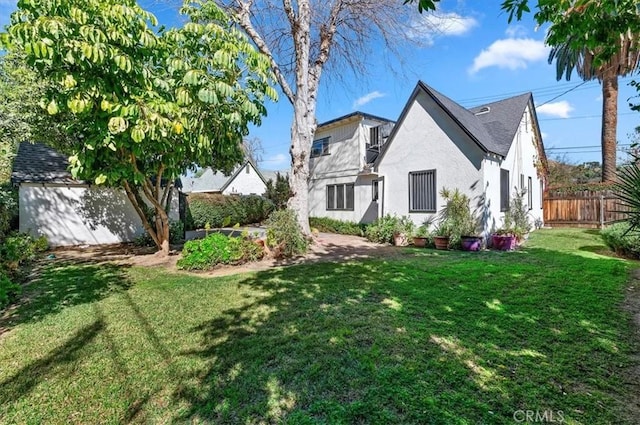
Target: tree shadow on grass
453	339
63	284
61	360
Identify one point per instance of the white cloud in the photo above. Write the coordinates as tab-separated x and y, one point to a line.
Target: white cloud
276	161
516	31
560	109
510	53
428	26
367	98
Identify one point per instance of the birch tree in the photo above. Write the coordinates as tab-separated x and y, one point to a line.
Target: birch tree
302	38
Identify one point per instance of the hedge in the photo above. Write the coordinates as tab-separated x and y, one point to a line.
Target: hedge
225	210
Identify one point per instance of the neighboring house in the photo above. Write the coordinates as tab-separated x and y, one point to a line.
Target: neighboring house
486	152
68	211
341	174
244	180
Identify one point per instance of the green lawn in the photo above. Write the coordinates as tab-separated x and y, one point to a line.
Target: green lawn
427	337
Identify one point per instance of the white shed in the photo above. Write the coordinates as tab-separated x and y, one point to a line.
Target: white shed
70	212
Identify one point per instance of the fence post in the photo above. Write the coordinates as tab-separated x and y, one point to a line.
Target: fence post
601	211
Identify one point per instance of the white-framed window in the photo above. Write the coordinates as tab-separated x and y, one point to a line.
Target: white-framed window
320	147
340	197
422	191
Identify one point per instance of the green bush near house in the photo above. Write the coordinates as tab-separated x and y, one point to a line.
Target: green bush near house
623	243
218	210
341	227
8	209
217	248
382	230
16	252
284	236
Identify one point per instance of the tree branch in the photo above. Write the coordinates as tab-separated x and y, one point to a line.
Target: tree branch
242	13
327	32
145	223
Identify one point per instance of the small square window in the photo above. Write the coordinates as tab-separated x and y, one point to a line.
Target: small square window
320	147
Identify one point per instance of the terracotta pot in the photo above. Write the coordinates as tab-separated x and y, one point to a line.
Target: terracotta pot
442	242
400	239
419	241
503	242
471	243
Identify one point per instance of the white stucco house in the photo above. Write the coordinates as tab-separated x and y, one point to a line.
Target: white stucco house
341	174
245	179
68	211
487	152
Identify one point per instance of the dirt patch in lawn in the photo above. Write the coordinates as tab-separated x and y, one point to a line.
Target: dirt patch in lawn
326	247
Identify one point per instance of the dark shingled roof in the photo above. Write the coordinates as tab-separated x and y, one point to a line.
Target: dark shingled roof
493	130
39	163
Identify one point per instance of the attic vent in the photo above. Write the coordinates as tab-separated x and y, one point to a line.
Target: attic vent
483	110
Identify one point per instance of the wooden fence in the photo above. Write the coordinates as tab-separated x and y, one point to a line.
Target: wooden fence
586	208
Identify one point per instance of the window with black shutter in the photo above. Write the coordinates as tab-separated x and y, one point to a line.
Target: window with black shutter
422	191
504	190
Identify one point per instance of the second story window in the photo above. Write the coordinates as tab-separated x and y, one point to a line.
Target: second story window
320	147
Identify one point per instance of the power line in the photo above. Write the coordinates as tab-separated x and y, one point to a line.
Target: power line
584	147
561	94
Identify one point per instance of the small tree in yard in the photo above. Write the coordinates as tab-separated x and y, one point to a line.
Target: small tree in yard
148	104
279	191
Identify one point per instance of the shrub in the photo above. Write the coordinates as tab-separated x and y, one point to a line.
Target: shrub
330	225
217	248
382	230
627	244
19	249
8	210
176	235
284	235
8	290
279	191
222	210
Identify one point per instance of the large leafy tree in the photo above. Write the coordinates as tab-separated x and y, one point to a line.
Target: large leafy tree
147	103
302	37
21	117
597	39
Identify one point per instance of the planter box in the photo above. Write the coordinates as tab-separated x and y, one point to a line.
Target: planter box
442	242
471	243
503	242
419	241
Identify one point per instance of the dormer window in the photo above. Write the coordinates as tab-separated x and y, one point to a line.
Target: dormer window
320	147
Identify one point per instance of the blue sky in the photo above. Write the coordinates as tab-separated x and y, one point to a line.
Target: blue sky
474	58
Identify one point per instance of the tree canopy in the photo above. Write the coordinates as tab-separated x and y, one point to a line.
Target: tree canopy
147	103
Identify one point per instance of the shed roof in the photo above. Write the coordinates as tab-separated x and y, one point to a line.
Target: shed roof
39	163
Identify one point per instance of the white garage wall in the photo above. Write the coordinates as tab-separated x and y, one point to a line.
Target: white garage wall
79	215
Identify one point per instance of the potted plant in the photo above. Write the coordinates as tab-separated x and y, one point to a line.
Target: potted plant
516	224
457	221
403	228
421	236
442	234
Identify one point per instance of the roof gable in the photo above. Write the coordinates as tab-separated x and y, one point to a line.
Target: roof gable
215	182
492	126
352	116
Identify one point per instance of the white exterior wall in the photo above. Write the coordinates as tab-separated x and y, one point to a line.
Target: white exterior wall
343	164
427	141
521	159
79	214
246	183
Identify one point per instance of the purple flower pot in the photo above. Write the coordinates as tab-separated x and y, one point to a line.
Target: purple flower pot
503	242
471	243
